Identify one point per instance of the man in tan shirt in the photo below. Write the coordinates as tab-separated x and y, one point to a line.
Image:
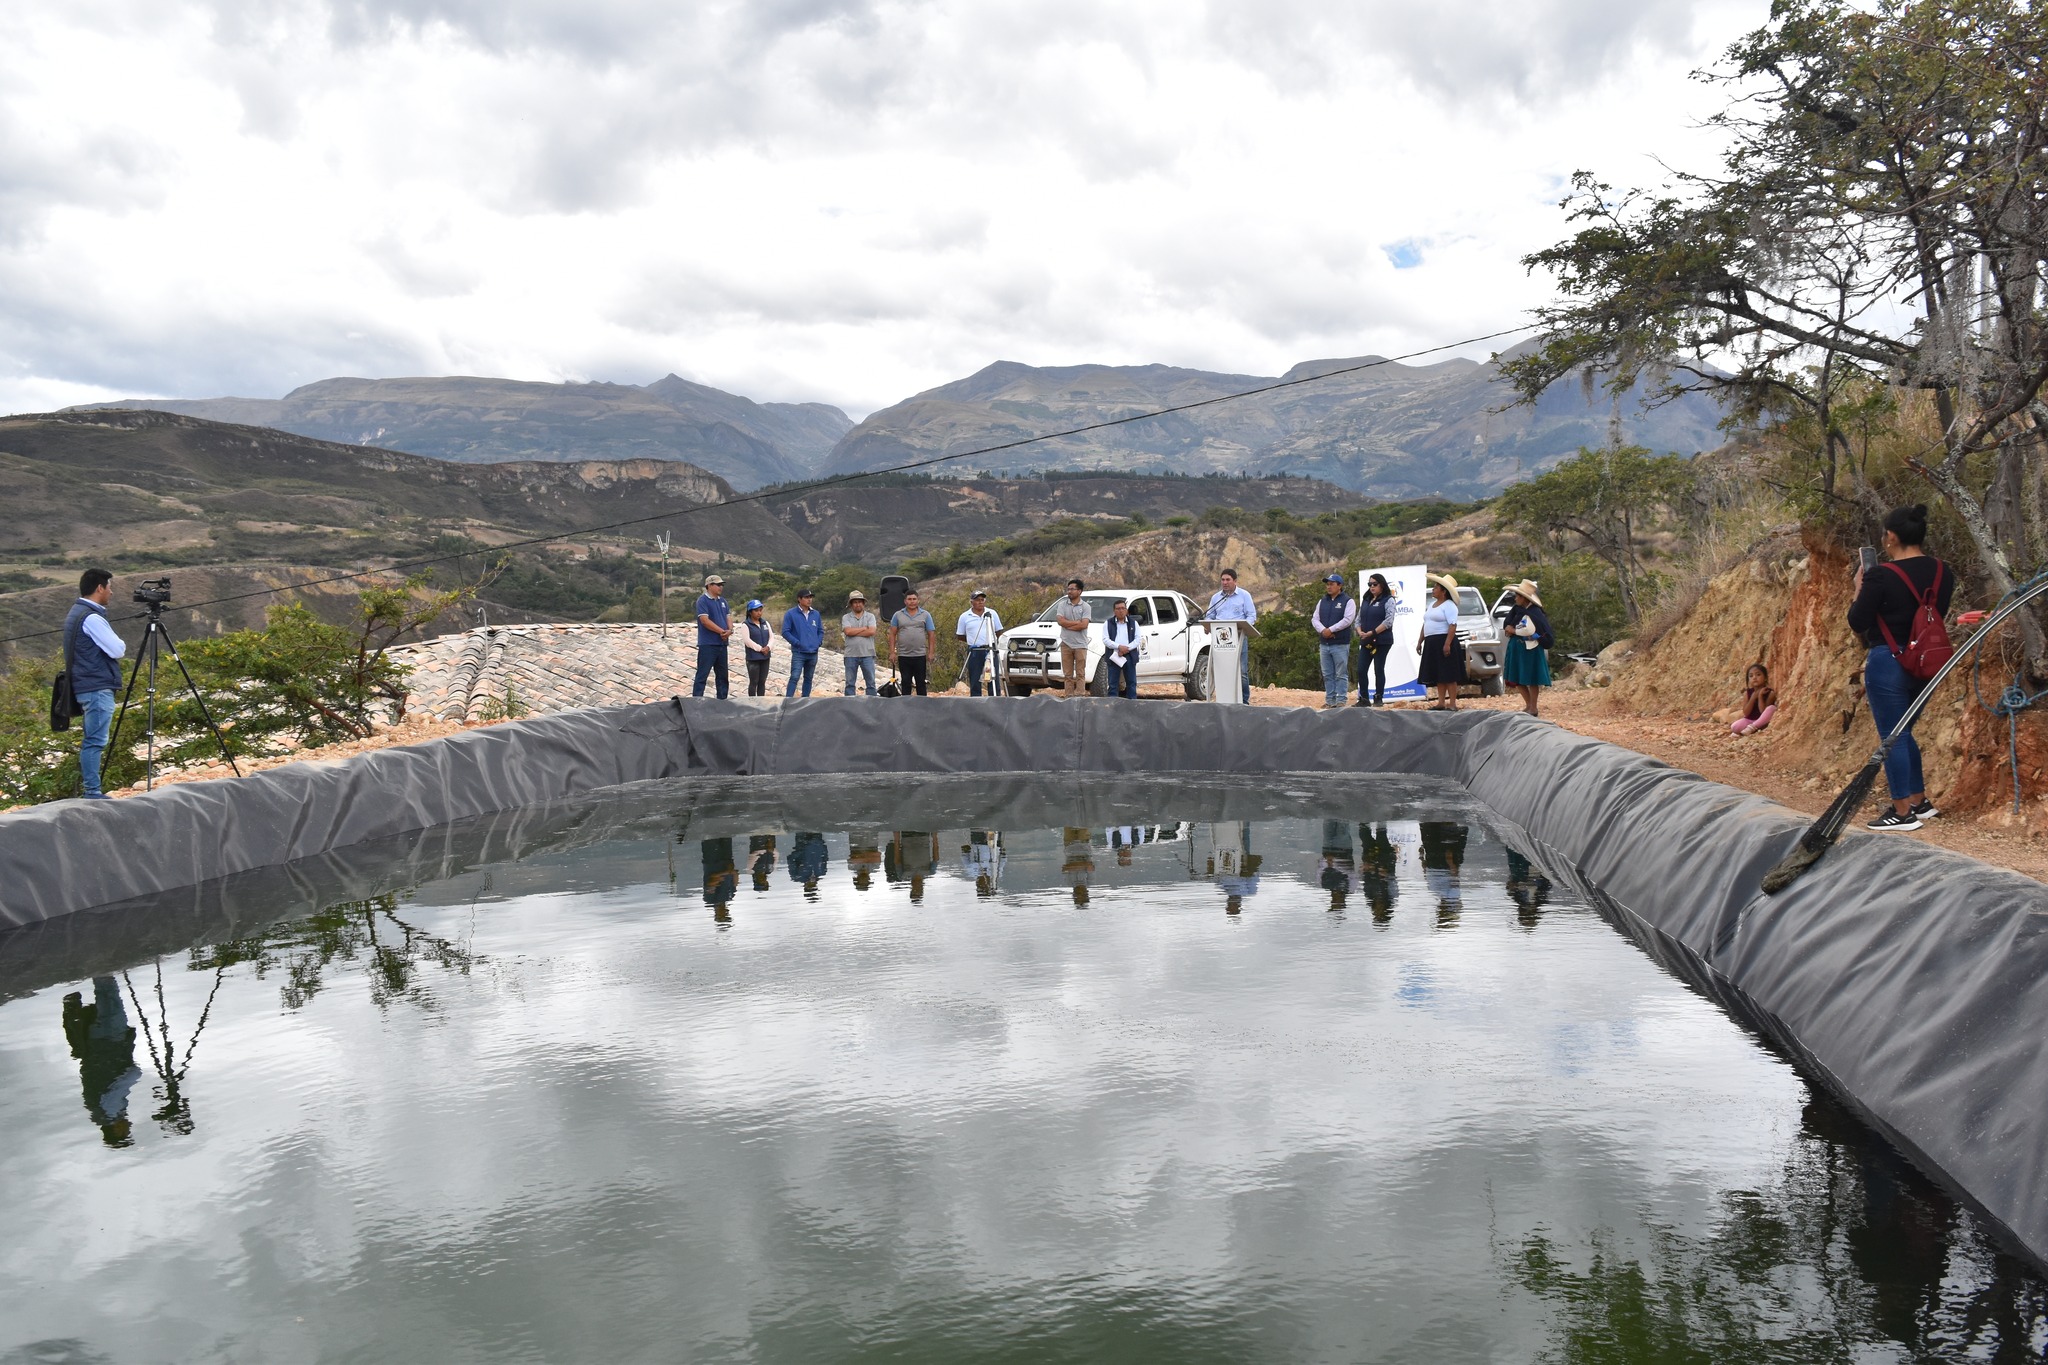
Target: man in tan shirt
1073	616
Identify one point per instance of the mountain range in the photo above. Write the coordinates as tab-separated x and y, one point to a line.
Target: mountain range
492	421
1374	426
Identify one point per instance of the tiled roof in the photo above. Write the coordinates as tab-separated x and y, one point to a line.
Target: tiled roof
546	668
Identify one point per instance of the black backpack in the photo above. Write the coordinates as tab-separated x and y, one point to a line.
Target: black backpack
63	701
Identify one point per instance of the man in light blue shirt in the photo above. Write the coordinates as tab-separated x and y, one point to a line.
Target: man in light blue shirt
804	632
1232	603
978	628
92	655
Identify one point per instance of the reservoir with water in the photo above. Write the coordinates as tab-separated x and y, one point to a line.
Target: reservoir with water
942	1069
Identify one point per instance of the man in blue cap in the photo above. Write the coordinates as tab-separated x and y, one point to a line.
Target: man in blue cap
714	628
803	630
1332	620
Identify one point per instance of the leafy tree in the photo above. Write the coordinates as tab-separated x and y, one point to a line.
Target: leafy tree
1602	500
1880	217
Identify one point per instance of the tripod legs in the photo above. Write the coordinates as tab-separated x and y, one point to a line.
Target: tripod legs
152	633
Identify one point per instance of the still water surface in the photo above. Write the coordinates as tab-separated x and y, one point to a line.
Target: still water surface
1102	1069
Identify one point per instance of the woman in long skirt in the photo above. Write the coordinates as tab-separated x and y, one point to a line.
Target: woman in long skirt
1527	668
1443	661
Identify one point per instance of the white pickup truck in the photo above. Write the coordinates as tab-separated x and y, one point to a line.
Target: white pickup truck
1173	644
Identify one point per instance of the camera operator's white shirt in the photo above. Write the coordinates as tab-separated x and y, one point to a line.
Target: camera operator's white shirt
981	630
100	633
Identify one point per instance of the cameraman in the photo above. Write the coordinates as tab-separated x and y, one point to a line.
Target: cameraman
91	655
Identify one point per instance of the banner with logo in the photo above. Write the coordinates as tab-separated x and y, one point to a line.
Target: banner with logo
1410	597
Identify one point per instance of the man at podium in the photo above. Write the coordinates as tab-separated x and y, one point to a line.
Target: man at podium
1232	603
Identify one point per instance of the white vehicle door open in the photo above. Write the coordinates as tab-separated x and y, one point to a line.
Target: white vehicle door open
1165	640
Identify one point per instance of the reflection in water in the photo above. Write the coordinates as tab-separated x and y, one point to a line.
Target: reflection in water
368	930
913	855
104	1045
1528	889
1077	860
1294	1134
1443	855
809	861
1847	1247
982	859
1339	870
1378	871
721	878
760	859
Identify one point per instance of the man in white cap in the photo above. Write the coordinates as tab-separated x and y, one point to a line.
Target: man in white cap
978	628
858	627
714	628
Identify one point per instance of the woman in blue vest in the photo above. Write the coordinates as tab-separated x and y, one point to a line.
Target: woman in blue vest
758	636
1375	627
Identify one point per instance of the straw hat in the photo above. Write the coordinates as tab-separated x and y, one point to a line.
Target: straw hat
1527	588
1446	582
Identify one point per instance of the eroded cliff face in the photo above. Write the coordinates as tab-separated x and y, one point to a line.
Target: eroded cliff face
1785	606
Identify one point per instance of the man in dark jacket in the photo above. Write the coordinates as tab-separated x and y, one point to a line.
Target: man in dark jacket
92	655
1333	619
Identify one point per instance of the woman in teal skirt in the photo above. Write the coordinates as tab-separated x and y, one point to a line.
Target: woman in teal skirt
1527	668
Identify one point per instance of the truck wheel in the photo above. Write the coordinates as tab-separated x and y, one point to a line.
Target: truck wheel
1493	687
1098	684
1195	686
1017	689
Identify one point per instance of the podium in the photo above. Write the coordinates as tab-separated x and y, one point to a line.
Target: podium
1227	660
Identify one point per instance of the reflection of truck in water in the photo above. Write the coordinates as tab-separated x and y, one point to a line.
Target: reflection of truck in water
1173	644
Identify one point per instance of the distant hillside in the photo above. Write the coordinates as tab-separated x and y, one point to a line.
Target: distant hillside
142	490
497	420
887	521
1394	431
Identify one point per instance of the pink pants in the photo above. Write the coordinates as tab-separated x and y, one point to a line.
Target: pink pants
1746	725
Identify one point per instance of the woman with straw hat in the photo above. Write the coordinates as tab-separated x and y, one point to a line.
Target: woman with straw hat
1443	662
1527	626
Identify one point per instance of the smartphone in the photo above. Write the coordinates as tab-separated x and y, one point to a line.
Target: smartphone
1866	559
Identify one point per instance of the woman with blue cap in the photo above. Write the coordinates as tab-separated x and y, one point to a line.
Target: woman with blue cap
758	636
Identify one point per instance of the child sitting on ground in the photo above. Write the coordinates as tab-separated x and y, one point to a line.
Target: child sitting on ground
1759	702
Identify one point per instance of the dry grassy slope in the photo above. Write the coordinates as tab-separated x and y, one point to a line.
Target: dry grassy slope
1784	606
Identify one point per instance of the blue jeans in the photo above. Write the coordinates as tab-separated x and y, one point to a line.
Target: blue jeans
707	664
977	659
1890	690
808	663
1336	671
856	668
1123	677
99	718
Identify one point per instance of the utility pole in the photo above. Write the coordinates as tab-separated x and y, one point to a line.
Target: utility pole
661	542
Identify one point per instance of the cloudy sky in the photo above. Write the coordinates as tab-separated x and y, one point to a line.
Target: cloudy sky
846	200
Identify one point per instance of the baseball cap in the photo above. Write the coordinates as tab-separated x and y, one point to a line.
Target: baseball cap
714	579
1333	578
753	604
976	593
856	596
805	592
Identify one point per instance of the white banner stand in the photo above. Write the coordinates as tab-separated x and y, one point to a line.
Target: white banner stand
1410	583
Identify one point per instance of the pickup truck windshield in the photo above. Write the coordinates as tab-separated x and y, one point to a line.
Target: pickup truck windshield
1470	603
1099	605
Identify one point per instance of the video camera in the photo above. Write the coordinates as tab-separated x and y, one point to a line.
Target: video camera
153	592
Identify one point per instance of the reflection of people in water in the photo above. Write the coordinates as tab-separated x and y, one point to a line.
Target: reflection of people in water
1078	861
982	859
760	858
863	856
1377	865
1123	839
809	860
104	1044
1443	854
912	854
1528	888
1338	870
721	879
1236	870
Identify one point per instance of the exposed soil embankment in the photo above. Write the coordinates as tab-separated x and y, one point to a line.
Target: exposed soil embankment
1785	605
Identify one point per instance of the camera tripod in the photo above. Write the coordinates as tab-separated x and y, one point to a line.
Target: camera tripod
152	633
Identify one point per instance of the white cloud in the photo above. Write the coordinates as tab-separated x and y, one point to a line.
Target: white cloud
838	199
